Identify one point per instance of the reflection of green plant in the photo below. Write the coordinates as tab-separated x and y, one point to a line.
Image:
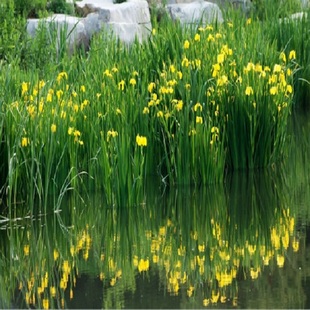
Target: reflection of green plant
198	250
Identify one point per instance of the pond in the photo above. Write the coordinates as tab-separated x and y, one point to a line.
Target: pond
243	244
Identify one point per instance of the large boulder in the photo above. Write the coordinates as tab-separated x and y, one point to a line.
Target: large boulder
195	12
128	20
68	28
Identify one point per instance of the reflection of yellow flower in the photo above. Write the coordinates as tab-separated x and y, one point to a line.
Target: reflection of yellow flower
25	141
280	260
295	245
56	254
26	250
53	291
53	128
143	265
45	303
254	272
215	297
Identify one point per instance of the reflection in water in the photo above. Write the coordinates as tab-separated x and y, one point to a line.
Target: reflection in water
238	245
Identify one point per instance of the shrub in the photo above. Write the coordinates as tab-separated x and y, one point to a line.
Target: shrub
12	29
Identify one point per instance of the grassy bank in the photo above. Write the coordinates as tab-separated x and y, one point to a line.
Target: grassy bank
184	106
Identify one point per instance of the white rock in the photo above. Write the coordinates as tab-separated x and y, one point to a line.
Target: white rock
68	26
195	12
127	20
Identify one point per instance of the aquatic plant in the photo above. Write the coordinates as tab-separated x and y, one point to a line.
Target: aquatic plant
209	104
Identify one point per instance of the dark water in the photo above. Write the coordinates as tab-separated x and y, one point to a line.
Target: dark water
244	244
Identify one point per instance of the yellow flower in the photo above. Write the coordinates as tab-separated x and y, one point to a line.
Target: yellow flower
186	44
282	57
197	106
25	141
210	38
41	84
277	68
222	80
172	68
111	133
70	131
141	140
121	85
248	21
197	37
25	87
179	105
220	58
107	73
83	89
151	87
62	75
199	120
192	132
185	62
153	31
49	97
132	81
216	68
53	128
160	114
273	90
146	110
249	91
215	130
292	55
218	35
289	89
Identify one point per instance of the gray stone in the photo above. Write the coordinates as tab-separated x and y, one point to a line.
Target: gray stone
69	27
127	20
195	12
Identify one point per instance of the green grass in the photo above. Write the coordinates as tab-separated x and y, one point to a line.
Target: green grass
184	106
